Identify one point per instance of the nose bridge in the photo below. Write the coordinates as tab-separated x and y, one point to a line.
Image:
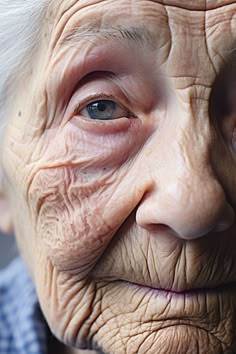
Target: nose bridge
185	192
193	140
187	169
185	142
192	149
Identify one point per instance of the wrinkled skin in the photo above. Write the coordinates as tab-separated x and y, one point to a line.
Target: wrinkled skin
128	225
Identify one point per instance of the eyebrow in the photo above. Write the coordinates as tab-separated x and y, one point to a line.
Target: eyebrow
135	35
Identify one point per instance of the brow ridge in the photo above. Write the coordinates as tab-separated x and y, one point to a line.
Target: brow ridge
135	35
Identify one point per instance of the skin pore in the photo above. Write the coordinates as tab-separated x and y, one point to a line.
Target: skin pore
129	222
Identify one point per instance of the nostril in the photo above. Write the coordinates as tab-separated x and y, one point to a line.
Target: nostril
226	221
159	229
189	203
218	219
187	214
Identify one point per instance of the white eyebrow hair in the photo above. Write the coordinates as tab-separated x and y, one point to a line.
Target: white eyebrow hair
137	35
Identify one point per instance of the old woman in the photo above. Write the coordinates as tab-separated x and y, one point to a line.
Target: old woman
118	166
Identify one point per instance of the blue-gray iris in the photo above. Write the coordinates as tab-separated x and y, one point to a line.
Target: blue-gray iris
103	109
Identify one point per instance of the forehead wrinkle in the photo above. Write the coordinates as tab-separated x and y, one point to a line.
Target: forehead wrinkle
134	35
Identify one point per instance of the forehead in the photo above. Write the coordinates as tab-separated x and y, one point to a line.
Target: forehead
212	21
190	11
197	5
200	5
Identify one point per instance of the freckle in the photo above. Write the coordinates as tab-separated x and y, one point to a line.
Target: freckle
19	113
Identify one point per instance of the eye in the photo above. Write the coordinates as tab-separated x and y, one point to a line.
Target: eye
104	110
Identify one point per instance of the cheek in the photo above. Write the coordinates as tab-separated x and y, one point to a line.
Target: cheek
68	216
81	190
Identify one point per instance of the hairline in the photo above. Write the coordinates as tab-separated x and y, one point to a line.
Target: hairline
20	33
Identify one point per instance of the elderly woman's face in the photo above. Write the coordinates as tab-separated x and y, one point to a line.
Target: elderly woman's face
120	157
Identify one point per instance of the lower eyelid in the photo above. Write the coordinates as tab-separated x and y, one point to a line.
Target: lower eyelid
98	127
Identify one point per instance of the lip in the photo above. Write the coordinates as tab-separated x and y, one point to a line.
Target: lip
161	307
188	293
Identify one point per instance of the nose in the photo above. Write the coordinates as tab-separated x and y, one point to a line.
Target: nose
183	192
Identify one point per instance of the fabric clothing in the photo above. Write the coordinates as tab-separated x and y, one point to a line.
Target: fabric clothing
22	327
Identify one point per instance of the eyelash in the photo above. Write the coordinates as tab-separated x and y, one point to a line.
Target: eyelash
97	97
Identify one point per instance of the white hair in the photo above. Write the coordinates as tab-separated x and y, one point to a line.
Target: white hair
20	25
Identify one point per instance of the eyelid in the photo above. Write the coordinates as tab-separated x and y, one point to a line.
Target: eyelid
100	86
91	98
98	97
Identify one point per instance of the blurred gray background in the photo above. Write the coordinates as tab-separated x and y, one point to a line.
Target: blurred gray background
8	249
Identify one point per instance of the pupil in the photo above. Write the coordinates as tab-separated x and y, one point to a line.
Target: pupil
101	106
